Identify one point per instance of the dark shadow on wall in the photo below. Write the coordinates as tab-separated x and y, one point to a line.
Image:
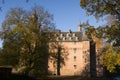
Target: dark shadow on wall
90	62
86	71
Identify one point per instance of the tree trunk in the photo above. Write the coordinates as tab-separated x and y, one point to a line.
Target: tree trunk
58	61
46	64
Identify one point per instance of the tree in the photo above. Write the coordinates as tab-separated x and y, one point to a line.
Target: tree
58	55
110	32
30	31
110	54
110	19
11	46
110	58
95	37
9	55
100	8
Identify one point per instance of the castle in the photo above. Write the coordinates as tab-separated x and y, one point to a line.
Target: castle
82	57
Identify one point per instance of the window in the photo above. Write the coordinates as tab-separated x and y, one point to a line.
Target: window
76	38
70	38
75	66
64	38
74	35
85	60
67	34
74	50
74	42
74	58
61	35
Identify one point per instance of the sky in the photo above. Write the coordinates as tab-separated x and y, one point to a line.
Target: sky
67	13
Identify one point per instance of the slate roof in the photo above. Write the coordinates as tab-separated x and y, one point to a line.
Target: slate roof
69	36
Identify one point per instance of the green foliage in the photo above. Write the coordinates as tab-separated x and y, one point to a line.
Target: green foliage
25	37
100	8
58	55
91	32
111	55
112	34
110	58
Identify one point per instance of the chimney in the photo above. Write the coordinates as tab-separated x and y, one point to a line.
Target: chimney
79	28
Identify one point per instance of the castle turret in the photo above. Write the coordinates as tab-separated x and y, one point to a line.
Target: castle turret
79	28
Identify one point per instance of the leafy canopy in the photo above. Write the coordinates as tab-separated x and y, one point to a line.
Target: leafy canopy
26	34
110	33
100	8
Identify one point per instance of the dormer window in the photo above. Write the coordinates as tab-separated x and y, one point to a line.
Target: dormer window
61	35
74	35
76	38
57	39
64	38
67	34
70	38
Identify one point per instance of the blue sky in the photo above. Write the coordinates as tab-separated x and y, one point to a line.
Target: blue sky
67	13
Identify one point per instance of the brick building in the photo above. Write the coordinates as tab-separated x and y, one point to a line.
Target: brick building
82	56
